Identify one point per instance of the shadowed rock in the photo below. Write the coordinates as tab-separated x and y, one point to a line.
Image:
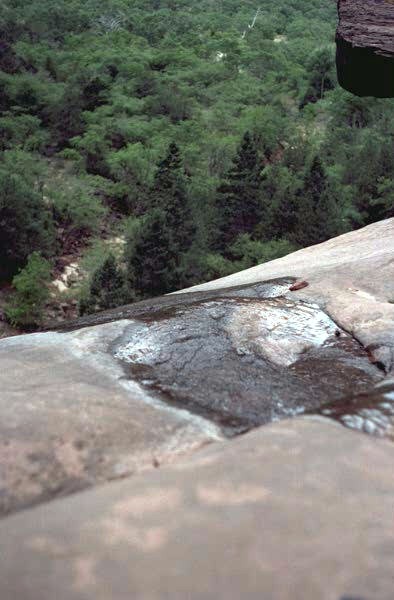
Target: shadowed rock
365	47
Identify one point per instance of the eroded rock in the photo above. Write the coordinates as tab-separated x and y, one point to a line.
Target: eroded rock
371	412
350	277
244	361
104	402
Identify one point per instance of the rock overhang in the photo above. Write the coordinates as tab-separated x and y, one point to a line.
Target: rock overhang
365	47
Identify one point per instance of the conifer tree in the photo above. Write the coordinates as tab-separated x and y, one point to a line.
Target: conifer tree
156	254
26	307
278	196
26	224
238	203
317	214
169	194
107	288
152	268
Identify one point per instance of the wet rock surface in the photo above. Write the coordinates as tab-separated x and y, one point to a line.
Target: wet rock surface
371	412
244	358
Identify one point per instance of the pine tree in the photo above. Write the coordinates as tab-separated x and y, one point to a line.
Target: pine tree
156	255
238	203
169	194
317	214
278	197
152	269
107	288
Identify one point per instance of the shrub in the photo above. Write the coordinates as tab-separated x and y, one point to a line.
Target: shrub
254	252
26	224
26	306
78	210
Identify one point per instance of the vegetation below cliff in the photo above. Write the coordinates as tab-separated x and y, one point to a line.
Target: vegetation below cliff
155	144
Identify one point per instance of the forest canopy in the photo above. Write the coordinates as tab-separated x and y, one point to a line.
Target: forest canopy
175	141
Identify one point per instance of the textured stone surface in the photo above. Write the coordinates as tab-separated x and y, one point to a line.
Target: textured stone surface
365	47
245	361
372	413
300	510
79	408
69	420
351	277
108	399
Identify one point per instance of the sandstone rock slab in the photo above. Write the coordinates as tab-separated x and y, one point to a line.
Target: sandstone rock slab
131	388
351	277
83	407
70	420
302	510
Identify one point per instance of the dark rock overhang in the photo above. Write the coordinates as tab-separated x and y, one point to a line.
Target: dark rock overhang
365	47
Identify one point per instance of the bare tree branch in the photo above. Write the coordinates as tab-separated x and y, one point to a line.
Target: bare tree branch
252	24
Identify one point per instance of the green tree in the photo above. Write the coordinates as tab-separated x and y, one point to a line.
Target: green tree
317	213
26	223
169	194
102	87
238	203
107	288
157	254
279	198
26	306
254	252
383	204
151	262
321	75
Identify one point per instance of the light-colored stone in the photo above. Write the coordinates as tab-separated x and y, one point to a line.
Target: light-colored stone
60	286
73	417
69	418
300	510
351	277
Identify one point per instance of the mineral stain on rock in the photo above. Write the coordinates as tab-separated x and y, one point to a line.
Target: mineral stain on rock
244	357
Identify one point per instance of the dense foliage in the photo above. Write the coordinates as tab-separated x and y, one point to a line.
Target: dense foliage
31	293
211	136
